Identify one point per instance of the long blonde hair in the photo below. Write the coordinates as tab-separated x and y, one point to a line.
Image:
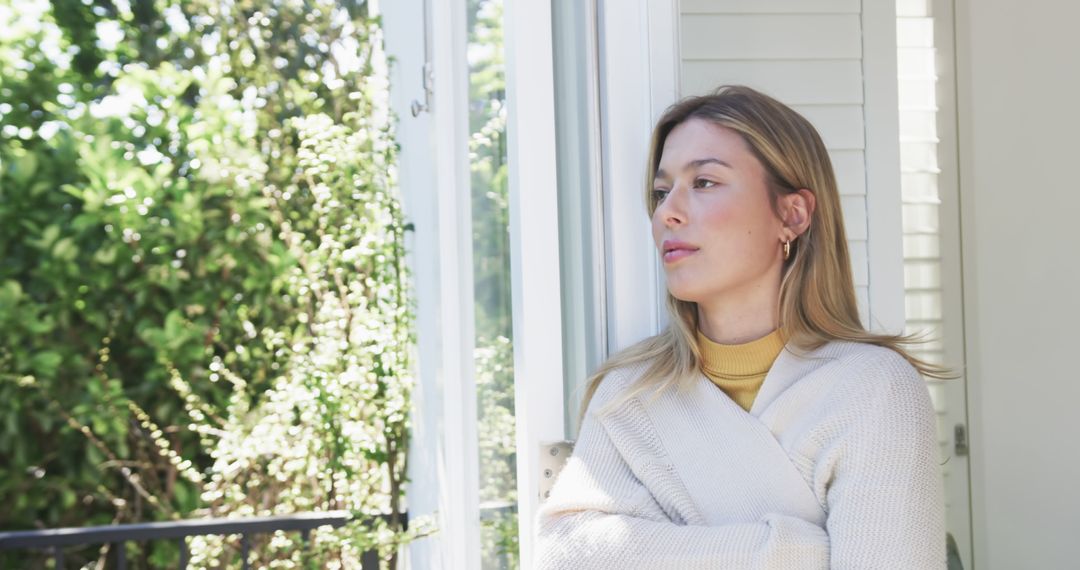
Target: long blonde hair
817	294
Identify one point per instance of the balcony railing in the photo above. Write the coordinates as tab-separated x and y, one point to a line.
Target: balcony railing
55	540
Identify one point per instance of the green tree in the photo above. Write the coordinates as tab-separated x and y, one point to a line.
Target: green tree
491	275
198	227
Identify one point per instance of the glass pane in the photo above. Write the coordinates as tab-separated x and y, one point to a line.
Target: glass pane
491	275
581	228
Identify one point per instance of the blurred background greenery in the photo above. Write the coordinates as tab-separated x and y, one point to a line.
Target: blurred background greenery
204	304
494	354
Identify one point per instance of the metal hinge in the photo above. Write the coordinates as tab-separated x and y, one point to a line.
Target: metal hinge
553	457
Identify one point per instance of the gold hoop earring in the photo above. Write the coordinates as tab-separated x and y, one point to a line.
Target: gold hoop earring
787	250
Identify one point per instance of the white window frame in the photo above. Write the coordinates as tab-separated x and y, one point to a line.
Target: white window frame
435	182
884	209
459	488
638	80
534	251
416	174
434	173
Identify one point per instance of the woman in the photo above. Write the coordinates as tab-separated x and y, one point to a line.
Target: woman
765	428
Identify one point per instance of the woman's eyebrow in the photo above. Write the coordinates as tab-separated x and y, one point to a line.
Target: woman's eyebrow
704	161
662	174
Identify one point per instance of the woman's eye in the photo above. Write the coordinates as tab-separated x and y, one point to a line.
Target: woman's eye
703	183
659	195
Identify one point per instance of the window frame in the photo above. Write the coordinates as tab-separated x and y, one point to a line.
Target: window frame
435	186
534	254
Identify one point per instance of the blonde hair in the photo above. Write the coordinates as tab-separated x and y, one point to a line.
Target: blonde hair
817	295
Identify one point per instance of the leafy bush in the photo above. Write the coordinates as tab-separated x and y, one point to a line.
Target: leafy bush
203	301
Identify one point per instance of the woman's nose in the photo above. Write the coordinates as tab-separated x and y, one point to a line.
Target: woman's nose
672	210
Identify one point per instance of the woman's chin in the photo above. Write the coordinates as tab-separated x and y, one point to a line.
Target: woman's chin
687	294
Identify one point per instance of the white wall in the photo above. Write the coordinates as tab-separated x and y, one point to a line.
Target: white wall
1019	112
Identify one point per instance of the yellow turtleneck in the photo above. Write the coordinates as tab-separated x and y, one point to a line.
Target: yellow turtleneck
740	369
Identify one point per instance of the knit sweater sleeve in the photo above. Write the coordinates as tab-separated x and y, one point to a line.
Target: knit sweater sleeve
600	516
885	496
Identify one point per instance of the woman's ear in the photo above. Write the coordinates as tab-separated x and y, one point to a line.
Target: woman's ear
797	209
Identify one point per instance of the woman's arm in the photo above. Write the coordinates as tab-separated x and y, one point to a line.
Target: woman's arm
601	517
597	541
886	501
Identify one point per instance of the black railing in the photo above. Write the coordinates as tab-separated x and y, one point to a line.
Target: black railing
55	540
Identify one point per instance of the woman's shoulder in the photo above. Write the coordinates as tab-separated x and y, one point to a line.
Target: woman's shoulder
617	381
861	354
870	371
626	367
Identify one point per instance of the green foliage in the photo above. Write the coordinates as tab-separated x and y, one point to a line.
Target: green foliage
203	302
494	362
498	459
488	171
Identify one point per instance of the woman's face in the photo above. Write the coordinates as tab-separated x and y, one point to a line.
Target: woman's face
714	226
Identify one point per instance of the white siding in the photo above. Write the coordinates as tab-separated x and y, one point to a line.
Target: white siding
837	81
840	126
850	168
770	6
808	54
771	36
854	208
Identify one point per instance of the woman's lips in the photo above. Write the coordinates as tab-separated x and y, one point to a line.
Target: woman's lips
675	249
677	254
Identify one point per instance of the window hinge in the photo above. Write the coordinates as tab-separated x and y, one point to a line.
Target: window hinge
553	457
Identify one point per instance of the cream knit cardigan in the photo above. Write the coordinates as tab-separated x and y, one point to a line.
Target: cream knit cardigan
835	466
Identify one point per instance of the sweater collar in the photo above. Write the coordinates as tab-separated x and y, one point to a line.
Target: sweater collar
735	361
791	364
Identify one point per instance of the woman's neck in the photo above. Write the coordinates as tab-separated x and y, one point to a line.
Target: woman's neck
740	321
